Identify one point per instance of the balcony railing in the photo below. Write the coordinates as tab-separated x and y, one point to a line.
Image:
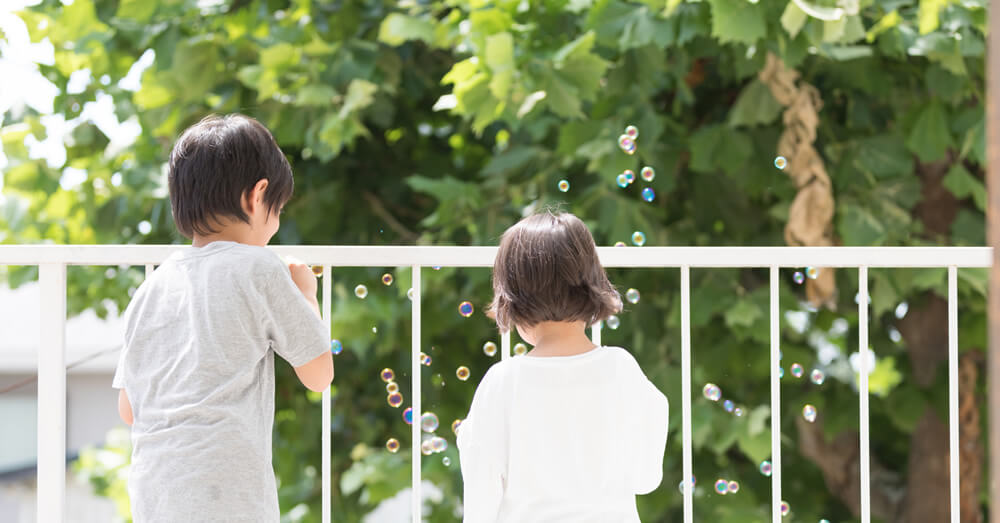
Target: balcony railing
52	261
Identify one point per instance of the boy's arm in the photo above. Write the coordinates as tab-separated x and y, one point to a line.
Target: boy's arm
317	374
124	407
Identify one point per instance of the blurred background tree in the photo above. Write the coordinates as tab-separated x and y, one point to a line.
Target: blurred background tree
443	122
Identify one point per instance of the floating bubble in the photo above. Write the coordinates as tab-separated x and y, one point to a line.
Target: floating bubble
630	150
648	194
408	415
462	373
392	445
455	425
622	181
446	461
781	372
785	508
619	244
520	349
712	391
361	291
632	295
797	370
395	400
799	277
629	175
490	349
410	293
426	447
632	132
765	468
824	520
901	310
625	142
439	444
336	347
738	412
728	405
465	309
812	273
387	279
780	162
809	413
647	173
638	238
318	270
612	322
429	422
425	359
721	486
563	185
387	375
391	387
680	484
817	376
733	487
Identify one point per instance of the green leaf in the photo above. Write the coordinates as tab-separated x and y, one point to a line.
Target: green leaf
743	314
884	296
398	28
280	55
138	10
793	18
737	21
885	377
969	228
929	138
905	406
884	156
888	21
858	227
360	94
927	14
499	57
975	143
964	185
755	106
315	95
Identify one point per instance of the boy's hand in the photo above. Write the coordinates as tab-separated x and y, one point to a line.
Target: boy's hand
304	279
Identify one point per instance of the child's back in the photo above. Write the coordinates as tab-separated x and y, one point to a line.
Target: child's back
574	437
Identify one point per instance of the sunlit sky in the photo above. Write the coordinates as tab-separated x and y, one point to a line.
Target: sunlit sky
24	87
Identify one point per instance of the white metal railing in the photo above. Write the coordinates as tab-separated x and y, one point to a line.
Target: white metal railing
52	261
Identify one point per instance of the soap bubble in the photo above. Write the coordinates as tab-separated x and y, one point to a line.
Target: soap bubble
622	181
728	405
648	194
824	520
765	468
817	376
462	373
425	359
785	508
625	142
712	391
439	444
392	387
797	370
647	173
812	273
638	238
721	486
395	400
318	270
738	412
455	425
429	422
410	293
490	348
781	372
387	375
465	309
392	445
408	415
629	175
632	295
446	461
799	277
563	185
680	485
387	279
809	413
632	132
630	150
612	322
336	347
520	349
733	487
619	244
780	162
361	291
426	447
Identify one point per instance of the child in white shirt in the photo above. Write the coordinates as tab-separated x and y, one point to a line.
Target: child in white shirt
569	432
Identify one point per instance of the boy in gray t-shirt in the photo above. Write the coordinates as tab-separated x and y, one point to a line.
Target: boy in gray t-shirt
196	374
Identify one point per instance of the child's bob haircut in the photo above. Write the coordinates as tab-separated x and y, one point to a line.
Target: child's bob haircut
547	269
217	161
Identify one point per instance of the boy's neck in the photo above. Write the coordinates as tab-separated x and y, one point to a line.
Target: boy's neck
560	338
239	233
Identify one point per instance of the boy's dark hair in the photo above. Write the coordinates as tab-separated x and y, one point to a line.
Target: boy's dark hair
218	160
547	269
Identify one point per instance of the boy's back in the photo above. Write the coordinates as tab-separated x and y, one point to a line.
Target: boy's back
199	370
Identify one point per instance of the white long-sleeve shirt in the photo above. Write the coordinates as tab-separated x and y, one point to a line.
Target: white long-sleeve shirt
562	439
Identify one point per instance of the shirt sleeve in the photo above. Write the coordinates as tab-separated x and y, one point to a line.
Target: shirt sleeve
292	327
649	413
482	450
118	381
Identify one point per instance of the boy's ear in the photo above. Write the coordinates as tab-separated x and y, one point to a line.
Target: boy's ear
255	196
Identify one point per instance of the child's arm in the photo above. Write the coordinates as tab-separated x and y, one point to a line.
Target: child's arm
483	451
124	407
317	374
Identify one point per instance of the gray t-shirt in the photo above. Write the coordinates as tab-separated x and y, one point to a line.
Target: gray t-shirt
198	367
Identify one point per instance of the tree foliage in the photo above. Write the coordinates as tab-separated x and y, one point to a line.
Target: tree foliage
443	122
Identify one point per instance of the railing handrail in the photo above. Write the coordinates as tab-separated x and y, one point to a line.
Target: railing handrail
461	256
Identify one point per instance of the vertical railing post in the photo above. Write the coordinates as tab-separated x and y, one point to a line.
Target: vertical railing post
687	465
953	393
595	333
52	394
416	502
326	425
505	345
775	319
863	369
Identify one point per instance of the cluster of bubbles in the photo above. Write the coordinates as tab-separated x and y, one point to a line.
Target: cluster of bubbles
433	445
612	322
627	140
490	349
632	295
336	347
724	487
800	277
387	279
394	398
465	309
563	186
712	392
425	359
638	238
625	178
